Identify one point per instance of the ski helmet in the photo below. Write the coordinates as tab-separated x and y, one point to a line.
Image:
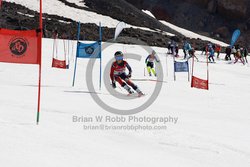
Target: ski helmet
118	55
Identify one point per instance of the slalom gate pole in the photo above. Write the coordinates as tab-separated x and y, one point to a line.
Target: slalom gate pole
65	51
174	69
207	72
100	52
167	64
192	71
40	64
78	37
53	53
188	71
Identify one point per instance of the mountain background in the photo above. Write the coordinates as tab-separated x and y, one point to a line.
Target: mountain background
212	18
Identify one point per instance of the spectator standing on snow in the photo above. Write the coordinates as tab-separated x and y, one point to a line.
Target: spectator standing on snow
218	50
211	55
191	54
186	48
228	53
238	56
172	47
176	50
245	54
204	50
169	47
234	51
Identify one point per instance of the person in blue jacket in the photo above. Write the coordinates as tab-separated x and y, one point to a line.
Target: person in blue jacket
211	54
186	48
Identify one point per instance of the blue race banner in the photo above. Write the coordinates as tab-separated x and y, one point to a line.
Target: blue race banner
181	66
235	36
92	50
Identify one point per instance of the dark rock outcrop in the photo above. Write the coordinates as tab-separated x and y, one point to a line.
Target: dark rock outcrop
14	16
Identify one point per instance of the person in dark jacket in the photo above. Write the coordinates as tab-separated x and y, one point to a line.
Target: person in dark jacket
245	54
228	54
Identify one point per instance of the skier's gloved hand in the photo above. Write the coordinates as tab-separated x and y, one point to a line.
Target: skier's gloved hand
129	75
113	84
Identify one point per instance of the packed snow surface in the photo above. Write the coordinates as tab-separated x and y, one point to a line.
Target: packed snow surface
211	128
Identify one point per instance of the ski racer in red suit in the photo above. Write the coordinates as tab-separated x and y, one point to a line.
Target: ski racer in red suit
118	74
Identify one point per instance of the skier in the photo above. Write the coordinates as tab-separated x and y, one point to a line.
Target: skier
150	63
117	73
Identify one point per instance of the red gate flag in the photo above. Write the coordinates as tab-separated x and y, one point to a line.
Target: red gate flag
18	46
0	3
59	63
25	47
199	83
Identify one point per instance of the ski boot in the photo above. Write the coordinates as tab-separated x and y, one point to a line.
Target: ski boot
139	92
128	89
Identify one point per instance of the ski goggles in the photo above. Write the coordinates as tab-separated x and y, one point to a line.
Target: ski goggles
119	58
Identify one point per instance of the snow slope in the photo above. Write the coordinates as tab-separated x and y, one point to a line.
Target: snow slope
212	128
185	32
148	13
78	2
191	34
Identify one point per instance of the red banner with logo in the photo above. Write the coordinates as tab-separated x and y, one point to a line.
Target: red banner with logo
18	46
59	63
199	83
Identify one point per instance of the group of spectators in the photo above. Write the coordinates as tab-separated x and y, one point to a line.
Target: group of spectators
239	53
